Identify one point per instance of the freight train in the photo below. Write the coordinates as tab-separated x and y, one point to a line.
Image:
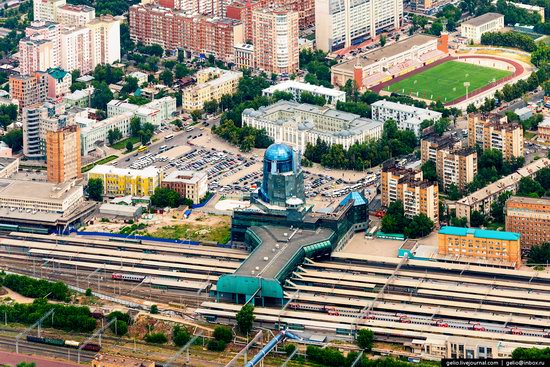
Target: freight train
64	343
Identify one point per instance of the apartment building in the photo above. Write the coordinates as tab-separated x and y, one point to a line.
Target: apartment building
154	112
96	131
58	83
46	30
28	89
346	22
331	96
76	53
196	34
529	217
37	120
543	131
244	55
482	199
75	15
454	164
480	244
407	117
418	196
492	131
474	28
298	124
63	154
47	9
190	185
275	39
105	39
35	53
125	181
422	6
212	84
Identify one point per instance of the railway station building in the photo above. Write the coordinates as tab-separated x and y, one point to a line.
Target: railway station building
281	230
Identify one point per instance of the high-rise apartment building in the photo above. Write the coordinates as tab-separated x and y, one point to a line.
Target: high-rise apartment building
212	84
63	154
28	89
75	15
454	164
47	9
530	217
492	131
417	195
35	53
480	244
105	39
275	39
48	33
351	22
37	120
196	34
76	53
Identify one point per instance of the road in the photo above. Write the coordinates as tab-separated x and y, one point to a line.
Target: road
519	103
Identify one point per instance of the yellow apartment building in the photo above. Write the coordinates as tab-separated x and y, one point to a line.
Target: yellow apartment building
212	84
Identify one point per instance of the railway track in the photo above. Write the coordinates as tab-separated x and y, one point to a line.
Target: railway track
8	343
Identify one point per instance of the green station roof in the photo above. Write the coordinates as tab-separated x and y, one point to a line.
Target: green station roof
480	233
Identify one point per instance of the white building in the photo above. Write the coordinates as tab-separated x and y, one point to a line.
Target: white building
47	9
96	133
75	15
244	55
154	112
407	117
343	23
297	124
332	96
44	30
76	52
141	77
474	28
105	35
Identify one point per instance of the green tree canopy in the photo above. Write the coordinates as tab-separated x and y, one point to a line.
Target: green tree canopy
164	197
95	189
245	319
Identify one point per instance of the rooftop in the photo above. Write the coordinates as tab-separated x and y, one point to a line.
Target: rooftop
482	19
104	169
404	108
292	84
36	190
530	201
480	233
188	177
385	52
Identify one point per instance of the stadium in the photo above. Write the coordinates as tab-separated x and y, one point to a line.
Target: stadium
422	67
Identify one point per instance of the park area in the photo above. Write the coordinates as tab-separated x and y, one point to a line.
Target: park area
445	82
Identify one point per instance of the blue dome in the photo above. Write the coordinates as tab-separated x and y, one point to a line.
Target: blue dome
279	153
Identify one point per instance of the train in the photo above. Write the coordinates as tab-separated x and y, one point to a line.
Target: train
25	229
128	277
64	343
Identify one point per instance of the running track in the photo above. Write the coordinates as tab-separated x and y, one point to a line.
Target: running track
519	70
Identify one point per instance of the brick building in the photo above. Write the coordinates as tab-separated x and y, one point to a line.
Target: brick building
63	154
530	217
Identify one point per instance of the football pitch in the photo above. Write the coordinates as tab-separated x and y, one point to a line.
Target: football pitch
445	81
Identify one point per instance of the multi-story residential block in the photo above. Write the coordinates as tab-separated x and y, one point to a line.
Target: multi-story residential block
474	28
75	15
190	185
480	244
105	39
407	117
454	164
63	154
97	131
212	84
48	31
482	199
275	39
492	131
346	23
407	185
196	34
28	89
422	5
543	131
298	124
530	217
76	53
332	96
47	9
30	118
58	83
124	181
244	55
35	53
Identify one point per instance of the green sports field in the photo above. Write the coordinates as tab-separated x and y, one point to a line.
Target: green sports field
446	81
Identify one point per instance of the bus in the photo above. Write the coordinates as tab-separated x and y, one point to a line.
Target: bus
169	137
163	148
142	148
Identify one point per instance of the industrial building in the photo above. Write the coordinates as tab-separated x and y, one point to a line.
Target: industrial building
281	231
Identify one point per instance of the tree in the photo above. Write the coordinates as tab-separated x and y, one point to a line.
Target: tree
365	339
130	85
101	96
216	345
196	115
223	333
180	336
477	219
95	189
429	171
453	193
419	226
383	40
165	197
531	354
154	309
181	71
543	178
245	319
114	135
436	28
119	327
88	292
289	349
167	77
471	108
459	222
129	146
156	338
529	187
441	125
497	207
14	139
146	132
539	254
210	106
279	94
135	126
307	97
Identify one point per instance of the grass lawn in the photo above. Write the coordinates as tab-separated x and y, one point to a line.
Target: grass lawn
122	144
88	167
529	135
219	233
446	81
